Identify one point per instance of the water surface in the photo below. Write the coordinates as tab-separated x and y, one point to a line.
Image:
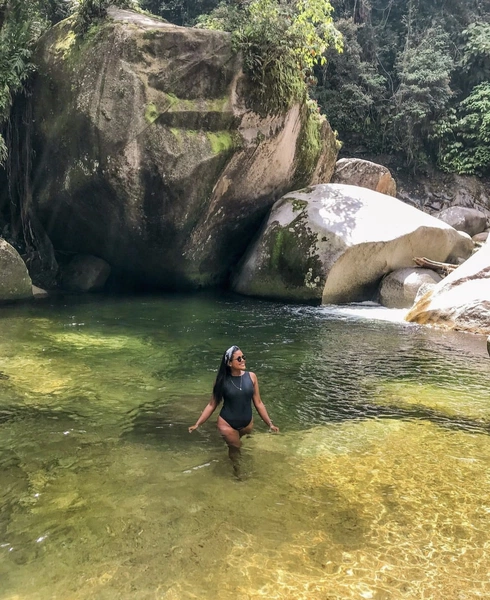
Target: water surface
378	485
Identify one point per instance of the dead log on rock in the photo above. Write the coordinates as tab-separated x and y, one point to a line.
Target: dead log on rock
440	267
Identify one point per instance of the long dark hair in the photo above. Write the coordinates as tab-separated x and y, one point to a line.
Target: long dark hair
224	371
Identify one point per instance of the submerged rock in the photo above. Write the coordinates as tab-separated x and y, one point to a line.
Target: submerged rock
335	242
15	283
461	300
148	156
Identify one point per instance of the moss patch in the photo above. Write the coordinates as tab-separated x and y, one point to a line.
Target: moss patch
293	256
309	145
64	45
151	113
221	141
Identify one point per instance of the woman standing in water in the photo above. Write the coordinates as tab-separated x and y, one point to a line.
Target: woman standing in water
237	388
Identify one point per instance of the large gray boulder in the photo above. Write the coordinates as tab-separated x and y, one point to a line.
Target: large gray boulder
364	173
462	218
148	156
333	243
461	300
15	283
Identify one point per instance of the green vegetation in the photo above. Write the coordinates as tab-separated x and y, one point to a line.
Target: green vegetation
464	134
280	43
221	141
21	24
405	83
151	113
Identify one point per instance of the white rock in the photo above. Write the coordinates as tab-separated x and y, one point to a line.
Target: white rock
400	288
334	242
461	300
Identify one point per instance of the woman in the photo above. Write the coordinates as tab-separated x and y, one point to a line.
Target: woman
237	388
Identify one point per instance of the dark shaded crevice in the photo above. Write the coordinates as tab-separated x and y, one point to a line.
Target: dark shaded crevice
27	233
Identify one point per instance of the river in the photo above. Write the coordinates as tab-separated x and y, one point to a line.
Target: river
377	486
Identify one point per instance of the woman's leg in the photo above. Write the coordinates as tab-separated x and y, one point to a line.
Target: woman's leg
232	439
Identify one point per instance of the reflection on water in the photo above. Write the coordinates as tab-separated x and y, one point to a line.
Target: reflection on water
378	485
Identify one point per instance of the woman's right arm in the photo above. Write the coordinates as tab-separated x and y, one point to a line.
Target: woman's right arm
206	413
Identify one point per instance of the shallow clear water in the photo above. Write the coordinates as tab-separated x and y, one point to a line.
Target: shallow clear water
378	485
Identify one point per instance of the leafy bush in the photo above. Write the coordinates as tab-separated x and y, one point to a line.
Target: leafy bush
280	43
475	58
21	27
350	91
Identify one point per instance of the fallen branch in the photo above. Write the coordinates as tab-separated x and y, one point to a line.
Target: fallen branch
442	268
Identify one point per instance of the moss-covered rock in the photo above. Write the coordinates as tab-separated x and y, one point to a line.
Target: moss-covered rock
147	157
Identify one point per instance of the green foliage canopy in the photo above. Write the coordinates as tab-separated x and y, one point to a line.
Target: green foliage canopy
464	134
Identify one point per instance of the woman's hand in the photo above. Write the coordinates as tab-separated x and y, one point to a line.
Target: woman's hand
192	427
273	428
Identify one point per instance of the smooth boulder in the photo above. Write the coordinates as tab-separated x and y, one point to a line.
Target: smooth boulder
333	243
399	288
15	283
462	218
461	300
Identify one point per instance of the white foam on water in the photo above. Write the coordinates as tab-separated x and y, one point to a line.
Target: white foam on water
367	310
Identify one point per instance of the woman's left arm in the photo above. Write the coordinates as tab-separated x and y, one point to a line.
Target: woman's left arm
260	406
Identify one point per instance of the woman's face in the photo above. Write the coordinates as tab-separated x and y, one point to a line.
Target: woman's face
237	361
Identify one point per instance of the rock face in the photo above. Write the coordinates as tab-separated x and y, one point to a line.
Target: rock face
334	243
148	157
437	191
461	300
469	220
364	173
399	288
15	283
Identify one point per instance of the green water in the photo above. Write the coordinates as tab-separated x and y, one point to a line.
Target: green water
378	485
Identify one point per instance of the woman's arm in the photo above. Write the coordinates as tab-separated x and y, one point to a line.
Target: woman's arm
260	406
206	413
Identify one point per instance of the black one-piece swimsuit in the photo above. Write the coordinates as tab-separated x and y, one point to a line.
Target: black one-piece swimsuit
237	403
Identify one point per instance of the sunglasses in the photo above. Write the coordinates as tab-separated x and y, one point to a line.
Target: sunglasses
240	358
